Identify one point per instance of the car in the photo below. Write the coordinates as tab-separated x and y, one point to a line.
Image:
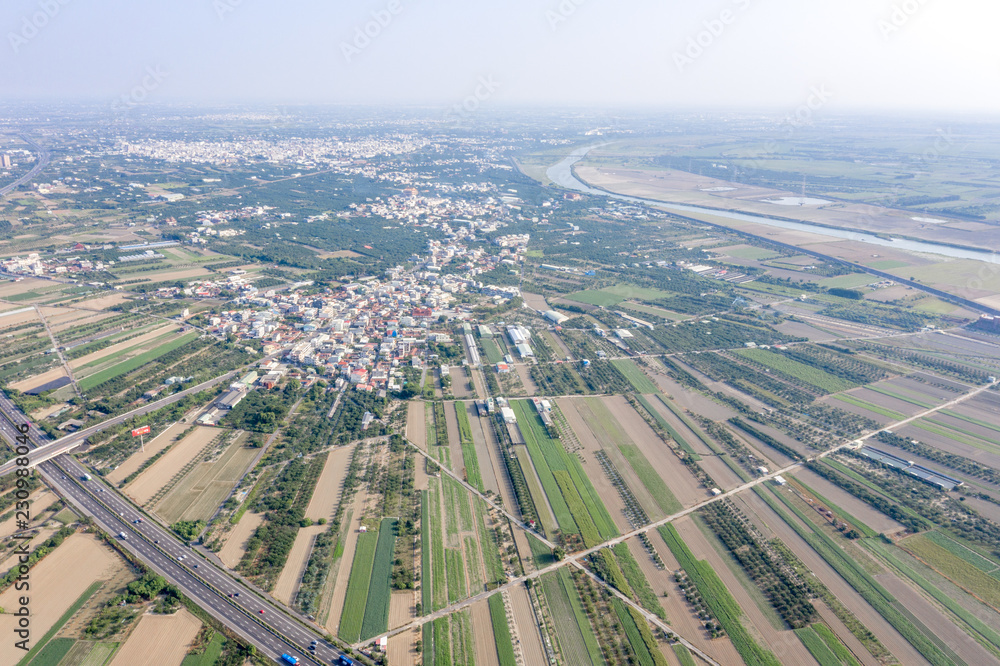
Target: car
230	595
156	541
237	594
120	513
196	566
312	647
261	611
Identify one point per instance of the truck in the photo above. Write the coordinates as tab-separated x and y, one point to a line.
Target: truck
289	659
86	477
345	661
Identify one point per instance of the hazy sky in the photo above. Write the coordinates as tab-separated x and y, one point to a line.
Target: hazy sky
928	54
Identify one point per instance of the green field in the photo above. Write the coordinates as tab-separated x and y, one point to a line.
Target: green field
864	404
637	581
501	632
838	648
492	351
426	572
614	295
851	281
70	612
810	375
666	426
53	652
576	637
751	252
376	618
817	647
89	653
965	568
353	615
652	481
135	362
549	456
211	654
472	473
636	377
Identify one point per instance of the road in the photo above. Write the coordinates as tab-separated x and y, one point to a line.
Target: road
43	161
260	621
65	444
576	559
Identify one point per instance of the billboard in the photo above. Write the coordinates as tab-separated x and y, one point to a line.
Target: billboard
144	430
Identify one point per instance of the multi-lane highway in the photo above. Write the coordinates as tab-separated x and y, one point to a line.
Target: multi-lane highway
52	448
259	621
43	160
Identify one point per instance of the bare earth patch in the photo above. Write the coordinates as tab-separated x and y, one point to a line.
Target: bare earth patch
159	640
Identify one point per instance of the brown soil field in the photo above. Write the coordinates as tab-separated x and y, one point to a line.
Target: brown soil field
153	446
40	500
591	444
57	582
401	650
159	640
536	301
103	302
527	627
849	503
19	318
298	557
785	644
180	274
27	284
679	613
199	494
529	385
484	449
416	426
770	523
482	633
957	640
454	439
324	500
461	385
38	380
173	461
122	346
232	552
402	607
45	412
678	479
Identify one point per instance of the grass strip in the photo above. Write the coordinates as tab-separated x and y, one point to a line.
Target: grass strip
376	618
472	473
637	580
817	648
636	377
652	481
835	645
684	655
665	424
501	632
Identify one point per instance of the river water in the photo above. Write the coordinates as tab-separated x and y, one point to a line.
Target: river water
562	175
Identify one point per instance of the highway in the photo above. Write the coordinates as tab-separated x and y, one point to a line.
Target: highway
259	621
53	448
43	160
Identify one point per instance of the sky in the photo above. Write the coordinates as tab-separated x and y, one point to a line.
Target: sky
911	55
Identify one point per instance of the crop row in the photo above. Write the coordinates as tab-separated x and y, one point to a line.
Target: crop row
872	592
472	472
718	599
643	653
353	615
637	580
634	512
376	617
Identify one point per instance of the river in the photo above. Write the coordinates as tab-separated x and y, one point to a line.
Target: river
562	175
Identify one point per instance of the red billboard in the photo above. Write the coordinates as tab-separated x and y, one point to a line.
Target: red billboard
144	430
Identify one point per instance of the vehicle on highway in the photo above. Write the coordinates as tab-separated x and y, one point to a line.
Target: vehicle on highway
122	535
289	659
345	661
261	611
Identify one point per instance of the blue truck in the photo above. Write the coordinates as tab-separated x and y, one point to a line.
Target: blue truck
345	661
289	659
